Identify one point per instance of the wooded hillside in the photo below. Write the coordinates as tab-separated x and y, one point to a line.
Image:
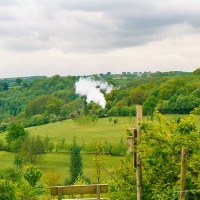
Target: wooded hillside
39	100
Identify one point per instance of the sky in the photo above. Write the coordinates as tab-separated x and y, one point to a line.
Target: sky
85	37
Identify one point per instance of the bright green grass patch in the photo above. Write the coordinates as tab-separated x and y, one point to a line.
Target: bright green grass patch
101	130
60	162
6	159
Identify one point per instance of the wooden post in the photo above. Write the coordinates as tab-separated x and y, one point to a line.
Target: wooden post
138	160
183	174
135	147
132	144
59	193
98	192
129	144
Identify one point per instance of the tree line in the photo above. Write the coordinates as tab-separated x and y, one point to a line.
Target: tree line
43	100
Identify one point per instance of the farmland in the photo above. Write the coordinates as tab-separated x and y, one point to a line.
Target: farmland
103	130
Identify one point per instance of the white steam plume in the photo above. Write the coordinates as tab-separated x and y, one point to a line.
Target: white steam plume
91	89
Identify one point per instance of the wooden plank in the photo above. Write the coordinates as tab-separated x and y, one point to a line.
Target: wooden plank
78	189
84	199
54	190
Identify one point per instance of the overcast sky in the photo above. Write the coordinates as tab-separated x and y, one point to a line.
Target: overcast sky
83	37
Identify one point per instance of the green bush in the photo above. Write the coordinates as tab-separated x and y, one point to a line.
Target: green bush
27	192
2	145
12	174
3	127
32	175
8	190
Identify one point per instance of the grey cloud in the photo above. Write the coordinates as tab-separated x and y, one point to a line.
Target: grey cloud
27	44
90	25
7	2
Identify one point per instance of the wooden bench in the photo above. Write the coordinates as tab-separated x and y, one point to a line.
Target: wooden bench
79	189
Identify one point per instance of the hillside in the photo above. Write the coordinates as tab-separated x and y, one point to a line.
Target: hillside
33	101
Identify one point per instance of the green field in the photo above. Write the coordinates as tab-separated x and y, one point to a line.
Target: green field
100	131
59	162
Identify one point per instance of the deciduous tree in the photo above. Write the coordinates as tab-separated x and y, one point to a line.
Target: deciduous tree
16	134
32	149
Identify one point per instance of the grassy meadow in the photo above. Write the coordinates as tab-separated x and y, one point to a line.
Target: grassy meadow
99	131
102	130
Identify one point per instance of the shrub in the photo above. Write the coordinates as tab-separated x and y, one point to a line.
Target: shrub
2	145
51	178
8	190
27	192
12	174
32	175
115	121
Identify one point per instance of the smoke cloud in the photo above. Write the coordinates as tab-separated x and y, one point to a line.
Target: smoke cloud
92	90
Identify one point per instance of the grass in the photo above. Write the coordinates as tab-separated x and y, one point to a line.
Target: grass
60	162
102	130
6	159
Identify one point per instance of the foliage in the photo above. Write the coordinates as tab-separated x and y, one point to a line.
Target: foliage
32	175
175	92
98	161
197	71
76	165
18	161
2	145
49	145
115	121
123	186
3	127
3	86
18	81
15	136
32	148
12	174
150	105
16	132
160	150
27	192
51	178
8	190
38	105
86	120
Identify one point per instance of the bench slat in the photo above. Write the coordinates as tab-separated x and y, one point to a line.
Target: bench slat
79	189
